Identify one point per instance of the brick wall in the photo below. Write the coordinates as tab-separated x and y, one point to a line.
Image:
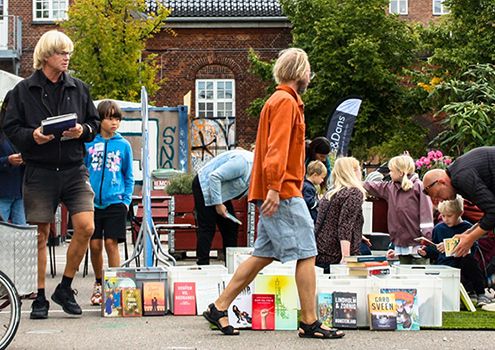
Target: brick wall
420	11
219	54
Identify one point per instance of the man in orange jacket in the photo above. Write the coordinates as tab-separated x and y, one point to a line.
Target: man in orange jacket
285	229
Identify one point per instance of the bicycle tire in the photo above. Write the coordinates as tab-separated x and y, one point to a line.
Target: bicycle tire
8	297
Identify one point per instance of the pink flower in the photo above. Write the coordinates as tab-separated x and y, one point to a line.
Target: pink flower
439	154
432	155
447	161
419	164
426	161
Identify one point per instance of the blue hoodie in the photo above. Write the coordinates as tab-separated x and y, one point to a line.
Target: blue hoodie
112	180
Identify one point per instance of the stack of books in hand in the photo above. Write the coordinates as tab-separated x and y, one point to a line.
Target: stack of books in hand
58	124
367	265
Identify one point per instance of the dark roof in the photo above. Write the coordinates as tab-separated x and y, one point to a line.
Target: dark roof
221	8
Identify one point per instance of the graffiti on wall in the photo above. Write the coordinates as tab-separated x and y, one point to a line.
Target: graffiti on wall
210	137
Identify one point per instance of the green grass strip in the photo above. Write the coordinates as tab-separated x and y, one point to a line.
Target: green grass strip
467	320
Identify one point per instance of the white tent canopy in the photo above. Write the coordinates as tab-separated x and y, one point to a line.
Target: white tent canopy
7	82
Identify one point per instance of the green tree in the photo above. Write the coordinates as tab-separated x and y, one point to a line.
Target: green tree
355	48
110	37
464	37
468	110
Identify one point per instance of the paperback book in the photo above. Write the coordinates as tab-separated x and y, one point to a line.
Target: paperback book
131	302
263	312
450	244
407	306
466	300
424	241
112	293
344	310
325	309
185	298
154	301
284	288
241	309
382	311
365	258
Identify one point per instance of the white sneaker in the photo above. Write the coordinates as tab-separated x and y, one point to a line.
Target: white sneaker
483	300
488	307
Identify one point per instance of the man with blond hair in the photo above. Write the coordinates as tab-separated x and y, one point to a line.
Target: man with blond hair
285	228
471	176
55	171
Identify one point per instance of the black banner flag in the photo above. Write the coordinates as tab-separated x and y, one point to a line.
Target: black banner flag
341	124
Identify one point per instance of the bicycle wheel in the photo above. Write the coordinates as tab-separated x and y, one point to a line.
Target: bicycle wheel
10	311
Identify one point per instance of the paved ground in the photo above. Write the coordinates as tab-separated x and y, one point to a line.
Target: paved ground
91	331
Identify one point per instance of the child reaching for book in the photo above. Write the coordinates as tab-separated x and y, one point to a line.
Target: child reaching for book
339	224
315	174
109	162
410	211
471	275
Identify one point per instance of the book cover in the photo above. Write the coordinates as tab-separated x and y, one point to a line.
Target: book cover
131	302
466	300
407	306
112	296
233	218
263	312
58	124
382	312
344	310
185	298
367	264
154	301
241	309
365	258
424	241
325	309
450	244
285	290
369	271
206	292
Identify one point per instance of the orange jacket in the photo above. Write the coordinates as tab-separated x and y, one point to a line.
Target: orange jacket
279	152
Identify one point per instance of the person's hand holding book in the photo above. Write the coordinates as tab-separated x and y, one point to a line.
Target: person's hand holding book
73	133
40	138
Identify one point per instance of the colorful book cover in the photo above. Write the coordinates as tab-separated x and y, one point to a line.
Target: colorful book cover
241	309
344	310
450	244
131	302
285	290
263	312
185	298
407	306
382	312
154	301
325	309
112	296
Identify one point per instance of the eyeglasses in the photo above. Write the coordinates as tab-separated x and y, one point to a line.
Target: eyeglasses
425	190
64	53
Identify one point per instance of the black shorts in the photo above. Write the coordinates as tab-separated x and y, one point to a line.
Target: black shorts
44	189
111	222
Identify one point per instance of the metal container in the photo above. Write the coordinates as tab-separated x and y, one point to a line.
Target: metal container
19	256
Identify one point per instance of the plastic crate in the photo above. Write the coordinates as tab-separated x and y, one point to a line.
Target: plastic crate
19	256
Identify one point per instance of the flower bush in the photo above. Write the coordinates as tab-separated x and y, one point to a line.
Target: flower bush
433	160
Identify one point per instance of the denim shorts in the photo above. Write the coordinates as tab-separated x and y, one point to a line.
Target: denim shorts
44	189
288	234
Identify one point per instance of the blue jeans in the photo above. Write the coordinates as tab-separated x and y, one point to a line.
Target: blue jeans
13	209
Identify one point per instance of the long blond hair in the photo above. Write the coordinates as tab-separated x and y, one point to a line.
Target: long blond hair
344	176
404	164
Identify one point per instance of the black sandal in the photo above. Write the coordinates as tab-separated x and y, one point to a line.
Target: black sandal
315	331
213	315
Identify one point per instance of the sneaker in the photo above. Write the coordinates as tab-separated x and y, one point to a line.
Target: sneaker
96	297
488	307
39	309
65	298
483	300
474	297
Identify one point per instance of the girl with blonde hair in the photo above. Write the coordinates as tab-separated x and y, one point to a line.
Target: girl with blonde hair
410	211
339	224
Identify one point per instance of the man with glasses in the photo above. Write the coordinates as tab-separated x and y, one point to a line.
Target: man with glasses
473	177
55	171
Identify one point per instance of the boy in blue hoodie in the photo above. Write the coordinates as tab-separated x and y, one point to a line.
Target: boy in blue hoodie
109	161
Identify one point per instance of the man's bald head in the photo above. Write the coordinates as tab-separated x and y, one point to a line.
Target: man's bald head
438	186
433	175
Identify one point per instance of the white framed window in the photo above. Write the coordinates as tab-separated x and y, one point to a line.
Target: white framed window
50	10
398	7
215	98
439	8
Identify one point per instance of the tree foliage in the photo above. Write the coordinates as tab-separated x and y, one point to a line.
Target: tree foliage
110	37
468	109
355	48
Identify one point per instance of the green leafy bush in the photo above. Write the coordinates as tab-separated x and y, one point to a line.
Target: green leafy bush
180	184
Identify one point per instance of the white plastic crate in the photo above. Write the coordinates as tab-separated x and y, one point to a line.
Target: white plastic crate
450	277
429	290
361	286
235	256
208	279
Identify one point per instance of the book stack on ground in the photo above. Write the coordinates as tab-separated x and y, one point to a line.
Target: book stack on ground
367	265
